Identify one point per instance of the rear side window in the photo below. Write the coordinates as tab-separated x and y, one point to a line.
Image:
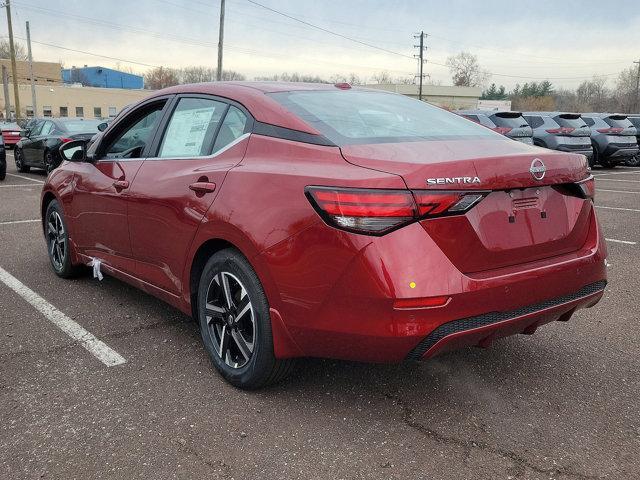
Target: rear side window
348	117
589	121
635	121
233	127
473	118
509	119
192	128
534	122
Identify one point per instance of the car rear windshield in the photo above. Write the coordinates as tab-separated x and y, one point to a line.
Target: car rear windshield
9	126
509	119
618	121
82	126
360	117
567	120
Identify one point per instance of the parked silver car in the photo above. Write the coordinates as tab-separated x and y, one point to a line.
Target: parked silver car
613	138
562	131
635	161
510	124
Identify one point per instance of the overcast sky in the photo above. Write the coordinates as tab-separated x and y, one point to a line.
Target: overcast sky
558	40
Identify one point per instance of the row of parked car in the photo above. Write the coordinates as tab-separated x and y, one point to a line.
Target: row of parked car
606	139
37	141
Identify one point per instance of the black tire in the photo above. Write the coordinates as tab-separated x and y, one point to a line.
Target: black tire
57	237
606	163
225	329
3	168
49	161
19	158
633	161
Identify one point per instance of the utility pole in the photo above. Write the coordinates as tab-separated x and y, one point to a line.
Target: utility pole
220	41
422	48
12	51
5	86
637	102
34	104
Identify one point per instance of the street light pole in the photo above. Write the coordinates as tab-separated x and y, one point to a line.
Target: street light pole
220	41
12	51
33	85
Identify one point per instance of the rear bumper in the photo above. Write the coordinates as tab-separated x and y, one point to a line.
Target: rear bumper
588	152
613	151
481	330
339	301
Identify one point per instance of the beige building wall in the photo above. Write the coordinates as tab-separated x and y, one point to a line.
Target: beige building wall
446	96
52	100
43	72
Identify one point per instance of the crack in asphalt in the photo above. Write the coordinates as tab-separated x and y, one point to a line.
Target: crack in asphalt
219	466
520	462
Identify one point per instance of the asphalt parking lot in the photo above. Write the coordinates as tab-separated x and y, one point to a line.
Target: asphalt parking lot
562	404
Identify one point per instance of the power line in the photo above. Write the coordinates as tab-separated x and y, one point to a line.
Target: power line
326	30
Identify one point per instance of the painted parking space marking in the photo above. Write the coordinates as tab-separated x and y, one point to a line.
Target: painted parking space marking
626	242
617	180
22	185
86	339
26	178
598	174
617	191
13	222
619	208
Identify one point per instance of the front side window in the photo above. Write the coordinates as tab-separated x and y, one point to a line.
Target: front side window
360	117
233	126
192	127
131	139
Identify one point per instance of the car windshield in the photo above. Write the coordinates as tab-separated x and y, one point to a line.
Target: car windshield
82	126
509	119
360	117
571	121
618	121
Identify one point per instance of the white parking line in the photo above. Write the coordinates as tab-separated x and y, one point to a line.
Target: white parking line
19	186
26	178
598	174
618	180
626	242
617	191
619	208
13	222
96	347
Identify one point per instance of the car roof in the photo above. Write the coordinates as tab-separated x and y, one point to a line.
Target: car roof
486	112
252	95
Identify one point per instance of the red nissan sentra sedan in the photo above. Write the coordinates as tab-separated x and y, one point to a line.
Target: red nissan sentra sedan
317	220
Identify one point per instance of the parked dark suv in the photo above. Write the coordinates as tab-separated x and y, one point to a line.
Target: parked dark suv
510	124
635	161
613	138
566	132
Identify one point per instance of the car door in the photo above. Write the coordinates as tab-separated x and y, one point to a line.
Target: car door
201	140
28	143
102	186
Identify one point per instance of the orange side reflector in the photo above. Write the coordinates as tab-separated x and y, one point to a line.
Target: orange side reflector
424	302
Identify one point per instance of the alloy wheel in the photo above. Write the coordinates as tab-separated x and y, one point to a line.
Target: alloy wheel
230	320
18	158
56	240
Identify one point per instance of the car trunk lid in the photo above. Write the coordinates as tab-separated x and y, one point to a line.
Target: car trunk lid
525	217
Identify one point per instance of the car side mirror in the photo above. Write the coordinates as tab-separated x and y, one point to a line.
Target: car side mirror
25	133
74	151
103	126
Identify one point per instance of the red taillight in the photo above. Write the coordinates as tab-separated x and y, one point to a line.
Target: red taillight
611	130
588	187
65	140
426	302
377	211
502	130
561	130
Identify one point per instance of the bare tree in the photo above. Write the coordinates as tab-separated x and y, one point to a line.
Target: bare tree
198	74
625	91
161	77
383	78
593	95
5	52
293	77
466	71
351	79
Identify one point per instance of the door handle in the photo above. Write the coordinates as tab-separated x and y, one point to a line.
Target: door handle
203	187
121	184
